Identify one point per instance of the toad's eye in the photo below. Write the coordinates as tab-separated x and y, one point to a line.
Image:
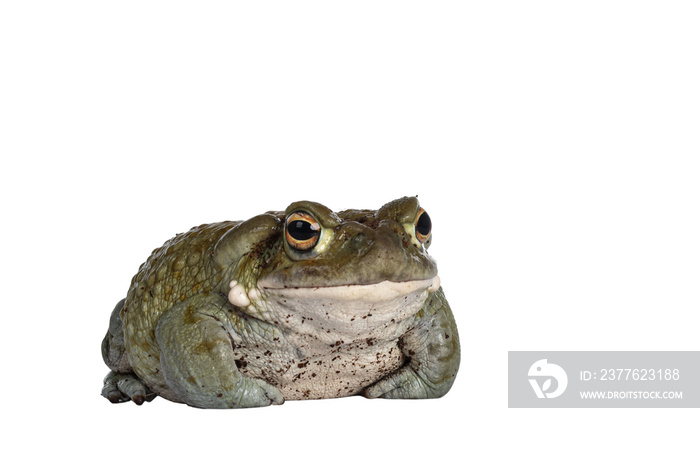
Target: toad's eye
423	226
302	231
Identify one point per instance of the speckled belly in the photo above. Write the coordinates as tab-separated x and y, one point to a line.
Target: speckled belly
332	371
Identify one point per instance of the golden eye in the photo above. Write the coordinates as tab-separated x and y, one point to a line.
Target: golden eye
302	231
423	226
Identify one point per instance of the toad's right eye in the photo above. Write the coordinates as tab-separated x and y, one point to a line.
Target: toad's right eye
302	231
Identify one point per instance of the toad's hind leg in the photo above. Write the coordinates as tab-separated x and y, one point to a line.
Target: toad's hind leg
197	357
121	384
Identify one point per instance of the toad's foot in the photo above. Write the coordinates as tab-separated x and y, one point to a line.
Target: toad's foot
405	384
119	388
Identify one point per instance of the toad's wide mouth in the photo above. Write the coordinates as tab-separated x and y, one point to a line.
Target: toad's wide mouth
385	290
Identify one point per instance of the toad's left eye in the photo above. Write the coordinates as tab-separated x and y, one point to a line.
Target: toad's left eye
423	226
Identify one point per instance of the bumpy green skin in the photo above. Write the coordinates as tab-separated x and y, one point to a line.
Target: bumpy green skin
180	335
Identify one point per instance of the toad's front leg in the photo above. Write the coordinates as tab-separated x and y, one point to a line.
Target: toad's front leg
433	354
198	362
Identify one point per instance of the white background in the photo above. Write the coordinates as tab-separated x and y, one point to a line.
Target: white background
555	144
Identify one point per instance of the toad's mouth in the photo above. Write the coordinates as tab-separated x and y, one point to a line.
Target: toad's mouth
373	292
